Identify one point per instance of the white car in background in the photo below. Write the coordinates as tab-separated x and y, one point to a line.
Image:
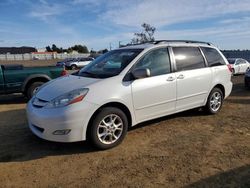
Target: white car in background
239	65
128	86
78	62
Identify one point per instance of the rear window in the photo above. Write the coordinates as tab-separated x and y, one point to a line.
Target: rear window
188	58
213	57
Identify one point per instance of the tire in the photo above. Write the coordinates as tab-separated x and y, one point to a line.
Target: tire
233	71
73	67
215	95
32	88
101	134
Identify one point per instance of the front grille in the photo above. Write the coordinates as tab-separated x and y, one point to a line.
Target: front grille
38	128
39	103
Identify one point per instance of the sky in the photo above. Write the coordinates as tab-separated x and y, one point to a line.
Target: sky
99	24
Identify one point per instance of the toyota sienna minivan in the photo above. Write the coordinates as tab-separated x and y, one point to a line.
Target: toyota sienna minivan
127	86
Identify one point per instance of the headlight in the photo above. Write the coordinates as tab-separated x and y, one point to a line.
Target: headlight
69	98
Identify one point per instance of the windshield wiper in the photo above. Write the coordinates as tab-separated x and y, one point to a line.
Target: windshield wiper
89	74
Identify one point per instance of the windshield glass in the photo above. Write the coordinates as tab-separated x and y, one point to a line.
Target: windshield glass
109	64
231	61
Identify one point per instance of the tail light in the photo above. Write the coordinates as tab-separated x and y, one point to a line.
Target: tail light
230	68
64	72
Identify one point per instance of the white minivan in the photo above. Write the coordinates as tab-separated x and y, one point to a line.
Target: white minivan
127	86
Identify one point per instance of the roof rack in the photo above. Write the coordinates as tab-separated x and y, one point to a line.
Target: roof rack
185	41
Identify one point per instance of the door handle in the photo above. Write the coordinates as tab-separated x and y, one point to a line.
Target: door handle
181	76
170	78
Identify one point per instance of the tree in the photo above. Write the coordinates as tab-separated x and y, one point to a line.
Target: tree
147	35
48	49
56	49
105	51
80	49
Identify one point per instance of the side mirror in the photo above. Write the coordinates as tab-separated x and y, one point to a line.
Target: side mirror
141	73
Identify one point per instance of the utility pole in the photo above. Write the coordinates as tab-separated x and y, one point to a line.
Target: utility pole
110	47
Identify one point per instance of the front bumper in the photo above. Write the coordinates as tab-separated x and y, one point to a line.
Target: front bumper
44	122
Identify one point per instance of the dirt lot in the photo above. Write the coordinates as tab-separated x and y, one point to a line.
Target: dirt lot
190	149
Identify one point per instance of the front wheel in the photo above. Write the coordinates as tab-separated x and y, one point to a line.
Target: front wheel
214	101
108	128
73	67
32	89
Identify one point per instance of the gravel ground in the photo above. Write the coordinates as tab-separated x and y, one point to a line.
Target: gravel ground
189	149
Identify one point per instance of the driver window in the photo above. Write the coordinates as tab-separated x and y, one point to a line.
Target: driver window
237	62
157	61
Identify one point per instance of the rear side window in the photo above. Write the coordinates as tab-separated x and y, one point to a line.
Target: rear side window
213	57
188	58
242	61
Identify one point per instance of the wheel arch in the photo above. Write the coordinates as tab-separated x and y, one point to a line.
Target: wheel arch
218	85
34	78
221	87
118	105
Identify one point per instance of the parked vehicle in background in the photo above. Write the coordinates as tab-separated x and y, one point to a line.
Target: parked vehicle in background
63	62
78	63
239	65
247	78
26	80
127	86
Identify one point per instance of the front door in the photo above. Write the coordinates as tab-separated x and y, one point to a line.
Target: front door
237	66
154	96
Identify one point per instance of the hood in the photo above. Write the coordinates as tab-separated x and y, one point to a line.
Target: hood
63	85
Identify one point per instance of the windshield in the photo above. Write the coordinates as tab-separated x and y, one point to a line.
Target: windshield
231	61
110	64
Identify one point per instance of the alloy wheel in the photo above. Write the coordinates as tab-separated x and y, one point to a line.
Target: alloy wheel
110	129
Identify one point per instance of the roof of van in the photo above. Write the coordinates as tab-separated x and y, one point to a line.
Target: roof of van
168	42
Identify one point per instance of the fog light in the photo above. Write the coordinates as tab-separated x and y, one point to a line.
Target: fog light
61	132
